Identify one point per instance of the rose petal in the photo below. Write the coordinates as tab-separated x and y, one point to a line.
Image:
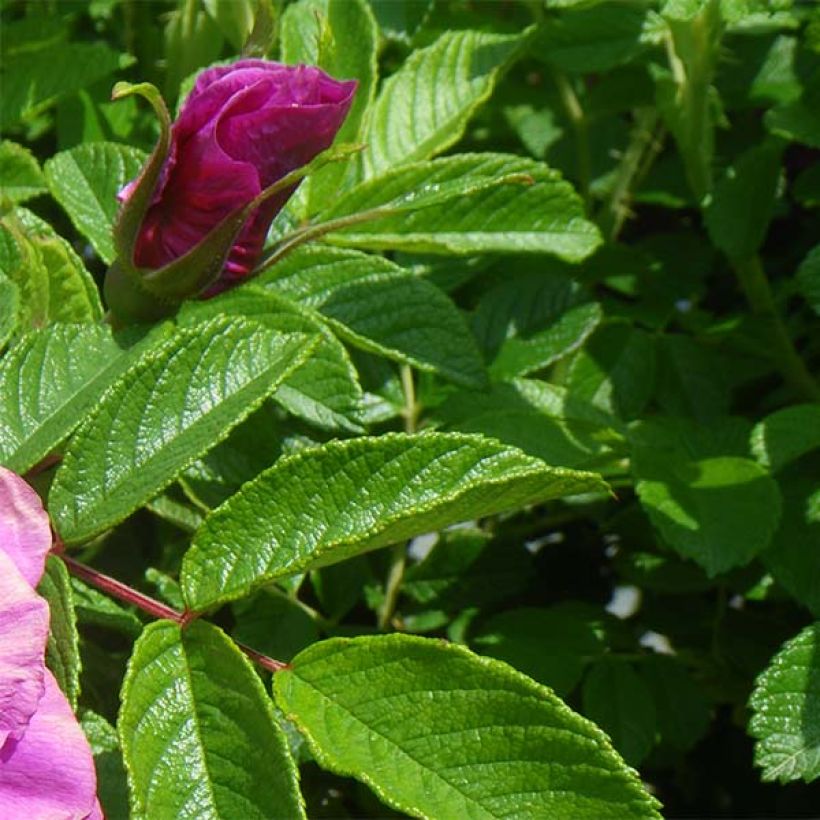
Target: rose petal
25	534
49	773
23	635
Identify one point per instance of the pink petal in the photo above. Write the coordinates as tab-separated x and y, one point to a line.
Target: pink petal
25	534
49	773
23	636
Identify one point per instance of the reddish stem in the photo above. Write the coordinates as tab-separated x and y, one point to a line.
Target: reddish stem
121	591
156	609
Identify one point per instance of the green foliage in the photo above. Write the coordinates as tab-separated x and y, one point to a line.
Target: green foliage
364	494
161	414
452	723
62	650
86	181
529	370
786	704
199	735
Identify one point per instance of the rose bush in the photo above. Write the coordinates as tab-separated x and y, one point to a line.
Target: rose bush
46	767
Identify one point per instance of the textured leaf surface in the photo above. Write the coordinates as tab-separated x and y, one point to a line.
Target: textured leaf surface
20	174
63	647
48	381
172	406
346	497
9	308
469	203
423	108
720	511
786	706
52	279
198	732
85	180
436	731
325	390
381	307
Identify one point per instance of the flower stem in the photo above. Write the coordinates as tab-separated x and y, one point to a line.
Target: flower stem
156	609
759	295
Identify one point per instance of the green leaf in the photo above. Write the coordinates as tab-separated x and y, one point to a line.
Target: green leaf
615	370
341	37
85	181
198	732
20	174
380	307
681	707
95	609
112	788
173	405
436	731
720	510
592	40
325	391
797	121
234	18
550	645
468	203
346	497
786	435
738	214
541	419
808	278
786	706
48	381
53	282
792	556
619	701
424	107
35	80
251	447
532	320
273	624
62	649
9	308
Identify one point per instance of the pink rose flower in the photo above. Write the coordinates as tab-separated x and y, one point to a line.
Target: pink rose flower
243	127
46	766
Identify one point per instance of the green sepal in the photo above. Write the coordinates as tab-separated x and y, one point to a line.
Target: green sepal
134	209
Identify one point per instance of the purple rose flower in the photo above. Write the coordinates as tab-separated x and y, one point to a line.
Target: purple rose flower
243	127
46	767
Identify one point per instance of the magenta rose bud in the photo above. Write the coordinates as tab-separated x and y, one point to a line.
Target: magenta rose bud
242	128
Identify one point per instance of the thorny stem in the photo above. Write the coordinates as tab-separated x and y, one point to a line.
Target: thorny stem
156	609
398	562
644	143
